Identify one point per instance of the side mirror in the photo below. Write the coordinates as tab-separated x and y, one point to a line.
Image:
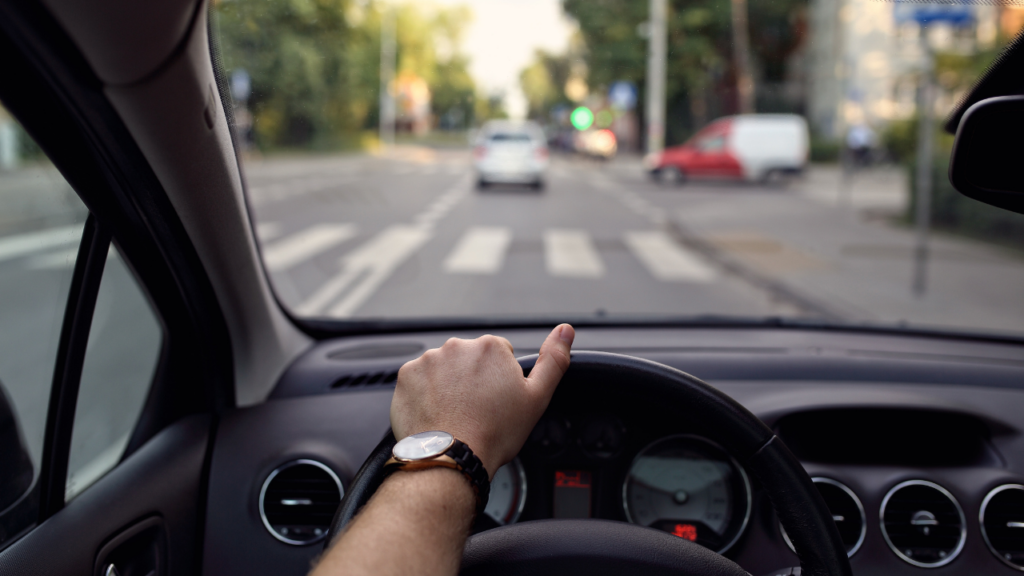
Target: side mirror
15	464
988	155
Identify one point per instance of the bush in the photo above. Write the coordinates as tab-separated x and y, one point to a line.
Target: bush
823	150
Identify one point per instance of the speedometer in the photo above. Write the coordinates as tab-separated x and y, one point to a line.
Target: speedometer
690	487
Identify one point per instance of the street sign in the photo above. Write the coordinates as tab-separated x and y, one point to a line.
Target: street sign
924	14
622	95
241	85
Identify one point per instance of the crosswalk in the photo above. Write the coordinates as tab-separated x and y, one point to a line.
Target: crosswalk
478	251
357	269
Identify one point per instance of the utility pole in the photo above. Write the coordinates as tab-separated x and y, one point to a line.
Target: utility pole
925	141
657	56
388	54
741	56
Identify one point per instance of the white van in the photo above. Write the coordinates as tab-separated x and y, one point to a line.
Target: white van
753	147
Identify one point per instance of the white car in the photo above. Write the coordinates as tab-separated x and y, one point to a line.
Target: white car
508	152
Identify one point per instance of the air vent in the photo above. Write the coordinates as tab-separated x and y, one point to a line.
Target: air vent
1002	523
298	501
365	379
847	511
923	524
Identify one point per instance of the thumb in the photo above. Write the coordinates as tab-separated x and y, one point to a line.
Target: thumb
553	360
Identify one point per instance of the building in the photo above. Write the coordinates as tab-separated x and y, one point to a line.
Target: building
866	57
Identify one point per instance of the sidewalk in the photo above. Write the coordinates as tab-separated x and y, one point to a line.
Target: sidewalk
837	249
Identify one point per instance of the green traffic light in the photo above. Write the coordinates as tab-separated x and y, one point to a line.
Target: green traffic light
582	118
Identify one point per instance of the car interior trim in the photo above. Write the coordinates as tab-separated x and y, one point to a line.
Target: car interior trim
67	373
981	518
860	508
270	478
963	524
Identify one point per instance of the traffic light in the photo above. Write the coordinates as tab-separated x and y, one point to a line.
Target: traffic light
582	118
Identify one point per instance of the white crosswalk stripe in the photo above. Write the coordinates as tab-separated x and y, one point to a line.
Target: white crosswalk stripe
570	253
363	271
20	245
304	245
481	250
666	259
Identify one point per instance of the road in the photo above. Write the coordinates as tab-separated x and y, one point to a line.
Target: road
407	235
412	237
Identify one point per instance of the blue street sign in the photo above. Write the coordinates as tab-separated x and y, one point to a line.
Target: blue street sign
241	85
622	95
924	14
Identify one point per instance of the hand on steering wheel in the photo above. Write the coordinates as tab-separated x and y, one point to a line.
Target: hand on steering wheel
603	547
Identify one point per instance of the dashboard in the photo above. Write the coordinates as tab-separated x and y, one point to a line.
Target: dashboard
914	441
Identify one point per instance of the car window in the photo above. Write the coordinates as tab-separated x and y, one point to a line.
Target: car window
501	137
120	359
711	144
41	221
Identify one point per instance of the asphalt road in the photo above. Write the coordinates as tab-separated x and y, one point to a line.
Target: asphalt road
411	236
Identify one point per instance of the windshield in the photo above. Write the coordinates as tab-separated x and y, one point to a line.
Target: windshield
621	160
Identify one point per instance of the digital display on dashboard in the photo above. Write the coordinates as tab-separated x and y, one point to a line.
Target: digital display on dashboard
572	494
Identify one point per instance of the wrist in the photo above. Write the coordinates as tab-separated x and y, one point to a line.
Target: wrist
434	487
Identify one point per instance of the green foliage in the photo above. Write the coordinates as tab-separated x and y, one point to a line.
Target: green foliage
824	150
315	64
700	50
543	83
900	140
489	108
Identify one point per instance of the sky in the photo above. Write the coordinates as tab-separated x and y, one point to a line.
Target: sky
501	40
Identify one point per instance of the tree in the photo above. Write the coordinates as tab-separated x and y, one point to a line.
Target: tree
701	83
314	64
543	83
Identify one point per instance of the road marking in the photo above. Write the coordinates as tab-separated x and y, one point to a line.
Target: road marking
571	253
306	244
364	269
666	260
481	250
20	245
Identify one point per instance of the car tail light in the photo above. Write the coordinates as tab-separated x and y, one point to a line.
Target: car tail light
541	153
480	152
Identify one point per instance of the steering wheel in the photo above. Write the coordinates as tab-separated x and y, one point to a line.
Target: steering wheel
598	547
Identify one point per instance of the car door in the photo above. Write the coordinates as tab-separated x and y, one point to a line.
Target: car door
116	359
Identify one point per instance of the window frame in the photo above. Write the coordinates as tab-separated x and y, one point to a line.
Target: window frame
54	94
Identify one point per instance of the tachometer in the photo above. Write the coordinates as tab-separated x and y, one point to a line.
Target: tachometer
690	487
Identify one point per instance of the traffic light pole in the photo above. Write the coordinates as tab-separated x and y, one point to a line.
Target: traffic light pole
657	54
388	53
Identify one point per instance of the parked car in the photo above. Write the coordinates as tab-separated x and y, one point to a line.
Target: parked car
510	152
752	147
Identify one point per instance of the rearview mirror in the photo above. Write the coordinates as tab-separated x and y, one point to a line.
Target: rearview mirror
988	155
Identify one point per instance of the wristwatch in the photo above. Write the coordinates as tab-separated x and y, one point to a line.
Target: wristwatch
436	448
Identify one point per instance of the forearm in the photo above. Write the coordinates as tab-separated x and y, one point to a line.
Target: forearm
416	524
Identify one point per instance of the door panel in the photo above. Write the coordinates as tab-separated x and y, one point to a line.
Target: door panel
162	479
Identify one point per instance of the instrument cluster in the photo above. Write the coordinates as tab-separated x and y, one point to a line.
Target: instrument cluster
600	467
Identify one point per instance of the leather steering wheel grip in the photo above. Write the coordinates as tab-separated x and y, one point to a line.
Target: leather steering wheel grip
363	485
797	502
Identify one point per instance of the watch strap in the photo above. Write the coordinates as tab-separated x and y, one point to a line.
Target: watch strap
470	465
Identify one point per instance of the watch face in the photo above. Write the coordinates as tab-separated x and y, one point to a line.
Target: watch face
423	445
